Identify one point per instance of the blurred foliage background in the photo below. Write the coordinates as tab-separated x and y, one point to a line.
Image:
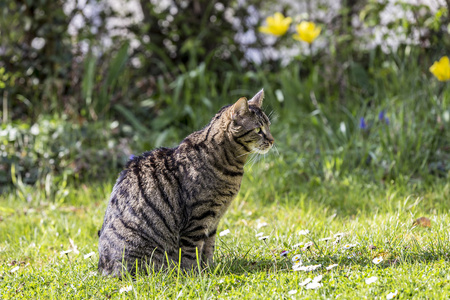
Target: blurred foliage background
87	83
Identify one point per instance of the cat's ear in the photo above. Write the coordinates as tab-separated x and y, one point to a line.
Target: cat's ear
239	108
257	100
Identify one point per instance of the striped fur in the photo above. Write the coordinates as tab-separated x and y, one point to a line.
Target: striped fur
168	202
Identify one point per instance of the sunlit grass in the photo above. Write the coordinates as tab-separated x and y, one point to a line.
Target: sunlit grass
38	260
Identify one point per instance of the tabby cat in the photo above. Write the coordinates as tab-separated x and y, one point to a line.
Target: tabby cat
165	206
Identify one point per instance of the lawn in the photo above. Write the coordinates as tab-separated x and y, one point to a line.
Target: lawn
49	248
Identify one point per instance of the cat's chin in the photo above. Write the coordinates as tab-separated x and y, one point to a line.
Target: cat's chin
262	151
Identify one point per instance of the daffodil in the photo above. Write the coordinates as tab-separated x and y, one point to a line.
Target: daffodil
276	25
307	32
441	69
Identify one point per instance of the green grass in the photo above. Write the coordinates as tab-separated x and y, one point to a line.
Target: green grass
34	232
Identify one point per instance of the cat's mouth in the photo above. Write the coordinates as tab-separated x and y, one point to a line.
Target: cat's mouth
262	151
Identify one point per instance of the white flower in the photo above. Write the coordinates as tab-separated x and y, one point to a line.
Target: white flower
66	252
337	241
331	266
261	225
313	285
262	238
392	295
16	268
292	292
89	255
377	260
307	268
340	234
371	279
317	278
325	239
296	258
126	289
298	245
348	246
225	232
259	234
284	253
308	245
305	282
73	246
303	232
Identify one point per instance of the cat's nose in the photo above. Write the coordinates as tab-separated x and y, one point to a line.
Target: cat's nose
270	139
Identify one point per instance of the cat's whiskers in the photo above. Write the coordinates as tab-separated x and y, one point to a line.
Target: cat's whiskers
244	153
276	149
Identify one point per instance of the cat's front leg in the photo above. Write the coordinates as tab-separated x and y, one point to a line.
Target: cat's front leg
208	250
191	253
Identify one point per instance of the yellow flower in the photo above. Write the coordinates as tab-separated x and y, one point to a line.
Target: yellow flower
276	25
307	32
441	69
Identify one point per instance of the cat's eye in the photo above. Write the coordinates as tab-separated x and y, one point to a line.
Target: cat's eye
258	130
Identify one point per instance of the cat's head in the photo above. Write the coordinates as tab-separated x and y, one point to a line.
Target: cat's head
250	125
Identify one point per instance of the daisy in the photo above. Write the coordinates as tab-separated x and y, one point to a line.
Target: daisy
296	258
348	246
292	292
298	245
313	285
308	245
377	260
261	225
66	252
331	266
16	268
303	232
284	253
225	232
325	239
392	295
308	268
126	289
73	246
305	282
340	234
259	234
371	279
262	238
337	241
89	255
318	278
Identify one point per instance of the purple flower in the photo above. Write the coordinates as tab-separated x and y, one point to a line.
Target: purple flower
362	123
132	156
382	117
